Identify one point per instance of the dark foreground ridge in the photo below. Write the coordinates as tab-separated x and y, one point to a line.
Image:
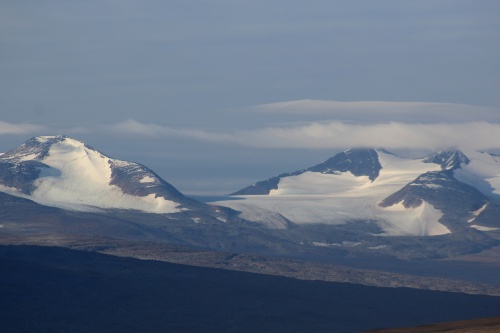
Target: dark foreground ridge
49	289
483	325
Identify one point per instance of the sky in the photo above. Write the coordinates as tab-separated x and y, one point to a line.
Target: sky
216	95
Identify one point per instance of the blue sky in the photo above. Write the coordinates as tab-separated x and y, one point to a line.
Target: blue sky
215	95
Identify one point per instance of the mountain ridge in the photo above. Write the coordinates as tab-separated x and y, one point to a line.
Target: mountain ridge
401	195
63	172
339	163
391	189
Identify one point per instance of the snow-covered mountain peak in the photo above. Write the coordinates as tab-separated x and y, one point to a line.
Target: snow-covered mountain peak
45	138
449	159
61	171
358	161
426	196
38	148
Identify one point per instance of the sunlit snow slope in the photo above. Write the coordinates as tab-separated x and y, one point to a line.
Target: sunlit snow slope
483	173
63	172
339	197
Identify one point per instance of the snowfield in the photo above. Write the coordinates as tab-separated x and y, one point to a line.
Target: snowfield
339	198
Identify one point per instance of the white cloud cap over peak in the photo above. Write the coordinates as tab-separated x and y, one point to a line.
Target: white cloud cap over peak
395	135
317	124
335	134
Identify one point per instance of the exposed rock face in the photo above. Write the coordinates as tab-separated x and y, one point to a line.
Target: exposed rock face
448	159
360	162
21	175
439	188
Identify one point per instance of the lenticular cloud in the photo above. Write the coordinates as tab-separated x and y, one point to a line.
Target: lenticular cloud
350	124
476	135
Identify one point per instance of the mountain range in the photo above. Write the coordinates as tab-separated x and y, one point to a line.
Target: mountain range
347	206
438	194
62	172
428	223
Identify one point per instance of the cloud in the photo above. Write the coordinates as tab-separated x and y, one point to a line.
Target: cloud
473	135
391	125
335	135
19	129
382	111
135	127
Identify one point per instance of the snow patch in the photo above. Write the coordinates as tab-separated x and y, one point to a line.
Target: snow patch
147	179
476	213
481	228
344	244
434	186
120	163
43	139
421	221
378	247
27	158
322	244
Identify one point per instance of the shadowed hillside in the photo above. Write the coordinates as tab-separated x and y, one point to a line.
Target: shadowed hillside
46	289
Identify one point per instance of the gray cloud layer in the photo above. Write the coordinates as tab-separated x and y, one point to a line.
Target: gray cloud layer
352	124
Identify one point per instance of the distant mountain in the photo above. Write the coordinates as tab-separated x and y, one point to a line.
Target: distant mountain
438	194
59	187
449	159
360	162
63	172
